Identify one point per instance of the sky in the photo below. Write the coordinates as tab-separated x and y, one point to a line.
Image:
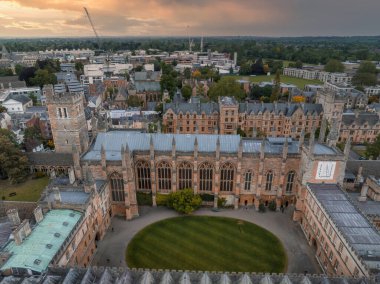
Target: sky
58	18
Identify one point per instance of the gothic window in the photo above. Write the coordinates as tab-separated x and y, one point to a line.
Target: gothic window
185	175
62	112
143	176
206	173
117	187
290	181
227	177
269	181
247	180
164	175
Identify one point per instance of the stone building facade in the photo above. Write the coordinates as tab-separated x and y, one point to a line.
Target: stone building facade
67	119
254	119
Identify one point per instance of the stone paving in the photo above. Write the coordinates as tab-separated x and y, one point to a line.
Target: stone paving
111	250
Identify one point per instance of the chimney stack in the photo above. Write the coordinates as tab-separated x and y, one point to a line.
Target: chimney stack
57	194
21	232
38	215
13	217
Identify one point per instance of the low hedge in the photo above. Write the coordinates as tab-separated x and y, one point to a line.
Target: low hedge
144	198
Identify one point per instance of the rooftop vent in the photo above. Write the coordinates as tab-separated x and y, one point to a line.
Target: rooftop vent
57	235
49	246
37	261
65	224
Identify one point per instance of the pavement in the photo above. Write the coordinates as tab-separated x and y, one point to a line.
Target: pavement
301	257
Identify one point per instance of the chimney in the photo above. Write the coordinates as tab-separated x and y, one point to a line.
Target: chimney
38	215
21	232
363	193
13	217
57	194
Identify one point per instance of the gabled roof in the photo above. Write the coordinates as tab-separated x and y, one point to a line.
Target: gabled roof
19	98
360	118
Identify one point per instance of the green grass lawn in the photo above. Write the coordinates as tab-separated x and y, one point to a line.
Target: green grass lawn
207	244
30	190
300	83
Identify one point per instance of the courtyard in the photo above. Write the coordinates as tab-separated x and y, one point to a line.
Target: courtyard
300	257
206	243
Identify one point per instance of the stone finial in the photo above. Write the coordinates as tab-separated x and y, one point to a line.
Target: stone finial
312	140
285	148
322	131
196	141
74	148
262	149
122	151
38	215
173	141
302	139
13	217
347	147
151	141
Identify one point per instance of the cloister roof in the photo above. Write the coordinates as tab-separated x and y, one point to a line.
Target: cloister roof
207	143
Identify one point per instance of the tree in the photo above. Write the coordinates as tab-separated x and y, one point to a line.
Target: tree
245	69
184	201
373	150
134	101
186	92
33	97
227	86
258	67
18	69
2	109
276	90
32	137
298	64
12	161
79	66
365	75
138	68
6	72
43	77
187	73
26	74
334	65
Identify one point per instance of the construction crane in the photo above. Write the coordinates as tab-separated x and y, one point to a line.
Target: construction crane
93	27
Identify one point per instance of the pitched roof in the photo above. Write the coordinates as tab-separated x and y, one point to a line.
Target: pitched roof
20	98
360	118
354	226
50	159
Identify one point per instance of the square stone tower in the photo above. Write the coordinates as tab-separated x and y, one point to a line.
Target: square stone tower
67	118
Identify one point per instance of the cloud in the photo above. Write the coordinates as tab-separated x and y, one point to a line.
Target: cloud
195	17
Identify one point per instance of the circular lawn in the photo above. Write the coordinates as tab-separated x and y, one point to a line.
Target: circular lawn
207	244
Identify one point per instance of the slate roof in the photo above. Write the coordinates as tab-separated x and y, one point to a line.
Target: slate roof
147	75
106	275
354	226
360	118
50	159
20	98
207	143
370	167
13	80
207	108
149	86
249	108
5	231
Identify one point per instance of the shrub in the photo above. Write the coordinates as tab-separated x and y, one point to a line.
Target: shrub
272	205
162	199
262	208
184	201
144	198
221	202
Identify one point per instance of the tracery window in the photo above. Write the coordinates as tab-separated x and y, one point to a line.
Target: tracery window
247	180
227	173
206	172
290	181
117	187
185	175
269	181
164	175
143	175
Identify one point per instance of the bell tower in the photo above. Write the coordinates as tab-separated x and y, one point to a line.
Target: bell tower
68	121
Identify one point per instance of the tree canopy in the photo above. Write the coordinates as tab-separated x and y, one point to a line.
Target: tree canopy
184	201
227	86
373	150
186	92
334	65
12	161
365	75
